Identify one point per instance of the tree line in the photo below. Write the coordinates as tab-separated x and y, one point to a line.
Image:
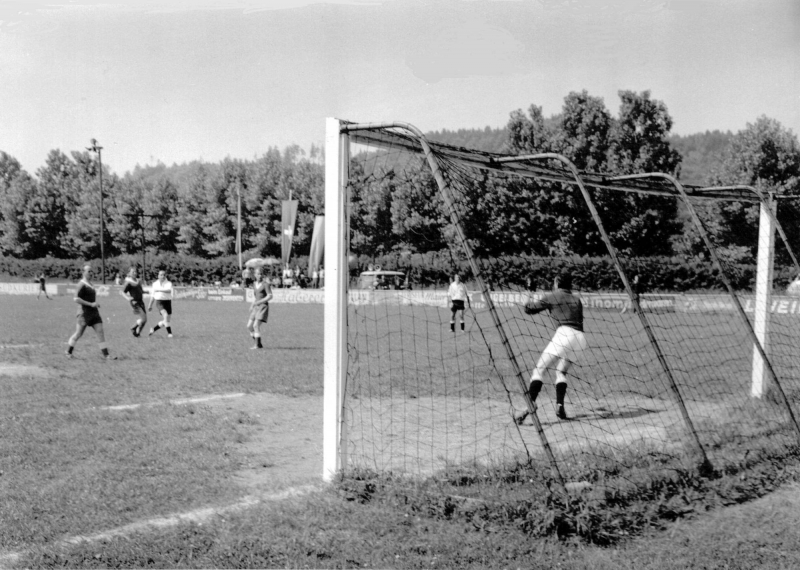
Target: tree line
504	215
191	209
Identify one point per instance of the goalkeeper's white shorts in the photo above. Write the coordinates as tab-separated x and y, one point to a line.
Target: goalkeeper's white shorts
567	344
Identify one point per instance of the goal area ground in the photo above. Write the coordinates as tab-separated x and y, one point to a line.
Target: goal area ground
669	379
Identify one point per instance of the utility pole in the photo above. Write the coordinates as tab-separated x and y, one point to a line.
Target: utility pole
142	225
97	149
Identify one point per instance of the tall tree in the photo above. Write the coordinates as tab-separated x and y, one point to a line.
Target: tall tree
12	203
17	196
191	181
45	215
765	155
586	134
83	207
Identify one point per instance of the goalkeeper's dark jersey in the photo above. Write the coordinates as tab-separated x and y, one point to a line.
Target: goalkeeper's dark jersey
565	308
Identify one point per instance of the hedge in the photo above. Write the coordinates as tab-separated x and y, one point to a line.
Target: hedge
432	269
673	274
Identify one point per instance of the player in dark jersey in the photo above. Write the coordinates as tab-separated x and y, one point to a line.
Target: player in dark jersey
259	309
566	345
88	314
134	293
42	288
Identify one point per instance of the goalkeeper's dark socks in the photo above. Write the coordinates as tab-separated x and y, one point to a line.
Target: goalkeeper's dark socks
155	328
452	327
462	325
169	330
561	390
534	389
70	348
104	351
258	342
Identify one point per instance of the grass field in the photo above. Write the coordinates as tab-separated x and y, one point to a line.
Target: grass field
98	459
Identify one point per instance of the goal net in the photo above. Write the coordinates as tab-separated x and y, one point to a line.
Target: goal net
686	362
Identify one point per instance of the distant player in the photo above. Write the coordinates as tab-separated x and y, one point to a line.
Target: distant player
566	345
259	309
42	287
88	314
457	296
635	287
134	293
247	277
161	294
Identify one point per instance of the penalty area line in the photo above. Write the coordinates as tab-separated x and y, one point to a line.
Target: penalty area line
197	516
178	402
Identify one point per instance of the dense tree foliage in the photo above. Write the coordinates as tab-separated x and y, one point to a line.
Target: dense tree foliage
191	209
767	156
524	216
188	209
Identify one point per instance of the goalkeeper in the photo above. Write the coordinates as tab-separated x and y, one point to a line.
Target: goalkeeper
566	345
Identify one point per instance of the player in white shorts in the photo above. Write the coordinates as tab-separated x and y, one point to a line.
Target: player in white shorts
457	295
161	294
566	345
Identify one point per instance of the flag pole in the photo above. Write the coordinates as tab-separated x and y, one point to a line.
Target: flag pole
239	223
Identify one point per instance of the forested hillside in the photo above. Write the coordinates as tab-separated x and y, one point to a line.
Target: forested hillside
701	153
191	209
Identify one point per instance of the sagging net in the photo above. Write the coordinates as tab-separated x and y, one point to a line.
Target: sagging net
662	382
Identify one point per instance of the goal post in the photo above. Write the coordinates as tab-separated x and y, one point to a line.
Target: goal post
407	392
764	278
335	312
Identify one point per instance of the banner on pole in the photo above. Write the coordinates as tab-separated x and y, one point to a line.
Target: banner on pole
317	244
288	216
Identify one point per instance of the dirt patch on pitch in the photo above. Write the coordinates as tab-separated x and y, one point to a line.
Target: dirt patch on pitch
282	436
281	441
425	435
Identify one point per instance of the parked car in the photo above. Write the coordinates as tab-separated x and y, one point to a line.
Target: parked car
382	280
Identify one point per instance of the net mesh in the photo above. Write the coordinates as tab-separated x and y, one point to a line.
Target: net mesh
657	386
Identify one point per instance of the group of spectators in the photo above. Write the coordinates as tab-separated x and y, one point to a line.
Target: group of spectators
289	278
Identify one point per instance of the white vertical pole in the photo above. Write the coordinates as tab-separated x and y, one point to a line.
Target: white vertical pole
336	275
766	259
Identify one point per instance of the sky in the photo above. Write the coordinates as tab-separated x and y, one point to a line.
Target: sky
174	81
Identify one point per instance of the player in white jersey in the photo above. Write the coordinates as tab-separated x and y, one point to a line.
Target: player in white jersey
457	296
161	294
259	309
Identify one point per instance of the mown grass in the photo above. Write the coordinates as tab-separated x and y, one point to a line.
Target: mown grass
325	531
69	465
71	468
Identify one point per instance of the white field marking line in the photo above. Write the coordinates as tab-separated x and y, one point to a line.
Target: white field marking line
197	516
18	345
179	402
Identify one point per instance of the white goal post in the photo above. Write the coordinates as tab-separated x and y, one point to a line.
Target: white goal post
335	316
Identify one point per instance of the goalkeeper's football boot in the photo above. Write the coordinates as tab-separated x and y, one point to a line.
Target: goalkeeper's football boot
520	417
560	413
